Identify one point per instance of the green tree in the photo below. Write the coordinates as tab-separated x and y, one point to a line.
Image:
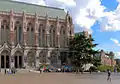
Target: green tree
96	61
81	50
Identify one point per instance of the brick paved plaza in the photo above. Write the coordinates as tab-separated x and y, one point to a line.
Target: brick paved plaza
57	78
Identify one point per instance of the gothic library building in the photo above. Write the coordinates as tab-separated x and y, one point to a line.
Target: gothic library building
32	34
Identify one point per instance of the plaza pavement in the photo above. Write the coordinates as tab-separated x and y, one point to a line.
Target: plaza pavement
57	78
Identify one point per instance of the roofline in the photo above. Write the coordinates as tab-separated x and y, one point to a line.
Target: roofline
35	5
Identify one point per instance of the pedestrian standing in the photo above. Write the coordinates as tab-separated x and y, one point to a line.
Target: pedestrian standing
5	71
40	70
109	75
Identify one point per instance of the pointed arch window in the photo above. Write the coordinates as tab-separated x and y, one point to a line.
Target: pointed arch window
41	35
30	34
50	31
18	32
5	31
52	36
62	37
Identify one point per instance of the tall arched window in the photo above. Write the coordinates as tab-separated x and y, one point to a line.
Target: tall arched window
62	37
18	32
2	33
50	31
30	34
5	32
52	36
41	35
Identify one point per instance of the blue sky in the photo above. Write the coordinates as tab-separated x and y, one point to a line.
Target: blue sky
103	38
101	18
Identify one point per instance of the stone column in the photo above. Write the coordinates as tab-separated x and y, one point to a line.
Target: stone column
0	33
57	33
24	38
72	31
48	56
25	59
37	59
12	37
12	60
0	60
47	31
67	29
36	30
12	34
24	29
48	39
36	39
58	60
68	60
58	40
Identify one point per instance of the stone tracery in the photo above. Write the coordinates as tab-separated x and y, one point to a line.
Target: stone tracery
20	35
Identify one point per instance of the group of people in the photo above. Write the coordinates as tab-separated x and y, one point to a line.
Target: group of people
9	71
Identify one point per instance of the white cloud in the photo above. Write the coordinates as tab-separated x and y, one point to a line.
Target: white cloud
117	55
115	41
86	12
90	14
66	2
118	1
111	20
39	2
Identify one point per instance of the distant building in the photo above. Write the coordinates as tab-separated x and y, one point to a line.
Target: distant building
84	33
117	62
107	58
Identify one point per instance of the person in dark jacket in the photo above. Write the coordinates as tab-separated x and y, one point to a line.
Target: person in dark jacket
109	75
5	71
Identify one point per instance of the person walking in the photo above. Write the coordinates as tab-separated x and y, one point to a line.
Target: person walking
5	71
109	75
40	70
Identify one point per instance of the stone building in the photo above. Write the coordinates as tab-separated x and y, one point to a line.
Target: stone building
33	34
107	58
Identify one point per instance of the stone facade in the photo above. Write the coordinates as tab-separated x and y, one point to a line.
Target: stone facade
27	40
107	58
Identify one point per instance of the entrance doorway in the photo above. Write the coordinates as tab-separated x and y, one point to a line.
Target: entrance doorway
7	61
20	61
2	61
16	65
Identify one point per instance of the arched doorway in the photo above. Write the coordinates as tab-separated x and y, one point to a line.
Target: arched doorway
31	59
18	59
5	59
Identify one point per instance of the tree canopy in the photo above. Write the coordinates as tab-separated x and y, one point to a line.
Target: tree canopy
81	50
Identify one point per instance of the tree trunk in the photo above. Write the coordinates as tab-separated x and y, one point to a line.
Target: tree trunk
78	70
